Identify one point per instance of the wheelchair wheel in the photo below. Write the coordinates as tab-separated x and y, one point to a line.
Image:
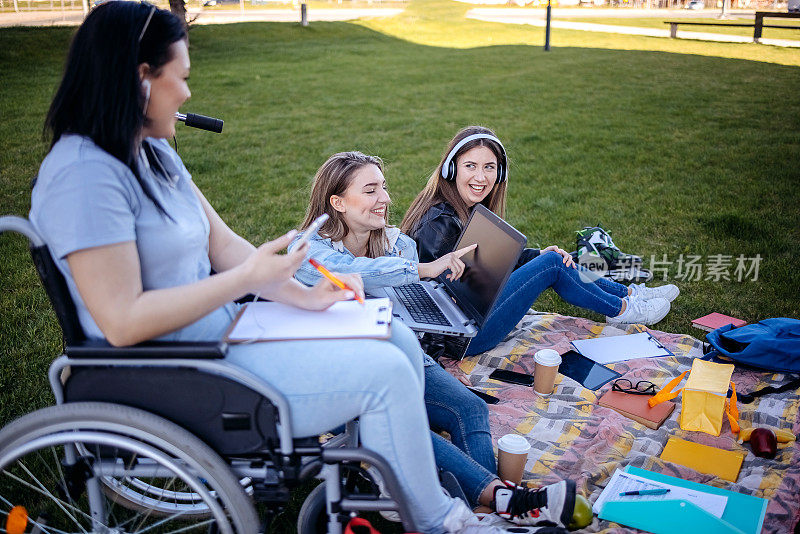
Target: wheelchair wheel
60	462
313	516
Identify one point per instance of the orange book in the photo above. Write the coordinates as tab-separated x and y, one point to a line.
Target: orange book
704	458
635	407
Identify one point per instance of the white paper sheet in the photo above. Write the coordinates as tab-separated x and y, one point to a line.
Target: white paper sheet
622	481
274	321
620	348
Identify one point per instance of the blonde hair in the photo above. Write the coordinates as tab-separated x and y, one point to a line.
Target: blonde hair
333	178
440	190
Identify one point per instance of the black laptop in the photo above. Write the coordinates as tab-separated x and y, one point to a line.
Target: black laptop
459	308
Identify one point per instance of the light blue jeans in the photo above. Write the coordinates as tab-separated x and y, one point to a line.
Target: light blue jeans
529	281
328	383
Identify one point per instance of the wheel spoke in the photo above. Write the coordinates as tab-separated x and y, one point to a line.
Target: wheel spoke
190	527
41	489
46	529
163	521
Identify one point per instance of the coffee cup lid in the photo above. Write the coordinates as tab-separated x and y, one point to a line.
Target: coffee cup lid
513	443
547	357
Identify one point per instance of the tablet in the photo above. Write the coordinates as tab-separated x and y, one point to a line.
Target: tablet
588	373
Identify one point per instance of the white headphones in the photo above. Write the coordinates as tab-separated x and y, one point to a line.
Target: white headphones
449	166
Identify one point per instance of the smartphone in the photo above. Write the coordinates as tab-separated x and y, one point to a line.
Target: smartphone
512	377
588	373
488	399
312	229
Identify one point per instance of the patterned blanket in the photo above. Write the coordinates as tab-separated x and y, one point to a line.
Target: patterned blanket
573	437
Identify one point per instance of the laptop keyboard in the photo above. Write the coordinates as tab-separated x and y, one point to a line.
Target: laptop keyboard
420	305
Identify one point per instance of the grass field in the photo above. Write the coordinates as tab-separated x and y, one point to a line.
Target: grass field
646	22
679	148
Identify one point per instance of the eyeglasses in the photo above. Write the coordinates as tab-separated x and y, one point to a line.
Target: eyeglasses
642	387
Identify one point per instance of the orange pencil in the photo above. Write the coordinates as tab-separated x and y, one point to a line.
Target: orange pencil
335	281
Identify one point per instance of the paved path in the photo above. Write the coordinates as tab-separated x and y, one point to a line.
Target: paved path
536	17
211	16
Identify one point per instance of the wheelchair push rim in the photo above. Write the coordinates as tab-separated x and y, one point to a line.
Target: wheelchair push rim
56	474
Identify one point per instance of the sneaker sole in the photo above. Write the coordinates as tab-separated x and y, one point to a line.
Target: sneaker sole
659	317
673	295
656	319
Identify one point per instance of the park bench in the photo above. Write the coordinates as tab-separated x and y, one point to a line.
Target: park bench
758	25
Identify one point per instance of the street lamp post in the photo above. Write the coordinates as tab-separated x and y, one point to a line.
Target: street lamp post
547	30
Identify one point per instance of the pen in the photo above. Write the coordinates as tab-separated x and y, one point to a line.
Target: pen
662	491
335	281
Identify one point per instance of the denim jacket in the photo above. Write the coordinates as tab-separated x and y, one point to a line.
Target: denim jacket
398	267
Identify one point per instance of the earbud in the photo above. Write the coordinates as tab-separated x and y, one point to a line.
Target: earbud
146	89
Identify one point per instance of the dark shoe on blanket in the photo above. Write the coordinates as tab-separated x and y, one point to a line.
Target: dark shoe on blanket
548	506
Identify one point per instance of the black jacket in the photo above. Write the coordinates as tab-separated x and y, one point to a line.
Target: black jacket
438	231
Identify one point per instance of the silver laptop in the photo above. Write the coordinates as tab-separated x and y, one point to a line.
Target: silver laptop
459	308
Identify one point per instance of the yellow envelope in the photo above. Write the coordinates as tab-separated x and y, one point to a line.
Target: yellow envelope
703	458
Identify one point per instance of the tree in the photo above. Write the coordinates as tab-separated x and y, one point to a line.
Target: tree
179	8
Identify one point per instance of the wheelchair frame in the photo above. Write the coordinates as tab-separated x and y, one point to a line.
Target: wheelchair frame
272	472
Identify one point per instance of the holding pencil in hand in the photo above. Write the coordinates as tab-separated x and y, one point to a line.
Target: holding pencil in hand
333	279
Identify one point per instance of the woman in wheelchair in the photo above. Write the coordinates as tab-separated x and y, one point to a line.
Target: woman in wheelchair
357	239
136	240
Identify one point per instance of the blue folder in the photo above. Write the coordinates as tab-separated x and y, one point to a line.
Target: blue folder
744	514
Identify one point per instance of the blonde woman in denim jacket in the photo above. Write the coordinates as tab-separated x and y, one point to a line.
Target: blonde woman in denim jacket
351	189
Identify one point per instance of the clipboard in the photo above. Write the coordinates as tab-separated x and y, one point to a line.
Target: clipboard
612	349
744	514
274	321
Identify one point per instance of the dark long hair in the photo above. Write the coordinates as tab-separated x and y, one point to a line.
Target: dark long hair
100	95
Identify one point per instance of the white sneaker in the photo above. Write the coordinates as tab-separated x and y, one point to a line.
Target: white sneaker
389	515
669	292
640	311
461	520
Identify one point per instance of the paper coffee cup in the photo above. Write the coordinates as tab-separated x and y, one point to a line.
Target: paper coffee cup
512	454
546	363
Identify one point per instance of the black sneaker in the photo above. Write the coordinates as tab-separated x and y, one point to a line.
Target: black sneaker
551	505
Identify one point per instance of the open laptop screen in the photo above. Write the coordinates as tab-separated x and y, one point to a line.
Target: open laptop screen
487	267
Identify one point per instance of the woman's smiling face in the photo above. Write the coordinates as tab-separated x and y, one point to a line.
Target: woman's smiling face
476	174
364	202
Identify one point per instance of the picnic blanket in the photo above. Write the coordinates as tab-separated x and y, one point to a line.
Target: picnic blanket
573	437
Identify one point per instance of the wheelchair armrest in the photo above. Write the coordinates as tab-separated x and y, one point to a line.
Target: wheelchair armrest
149	349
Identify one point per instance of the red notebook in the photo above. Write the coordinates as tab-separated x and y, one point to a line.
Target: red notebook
635	407
712	321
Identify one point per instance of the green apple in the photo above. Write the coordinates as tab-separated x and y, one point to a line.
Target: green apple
582	514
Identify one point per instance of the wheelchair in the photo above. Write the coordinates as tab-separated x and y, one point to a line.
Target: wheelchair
167	437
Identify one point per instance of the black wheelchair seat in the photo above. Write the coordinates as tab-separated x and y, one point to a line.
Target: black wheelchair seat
231	418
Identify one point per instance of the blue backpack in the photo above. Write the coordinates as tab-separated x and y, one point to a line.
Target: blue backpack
771	344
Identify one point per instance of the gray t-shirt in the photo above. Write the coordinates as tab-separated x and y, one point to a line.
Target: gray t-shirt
85	198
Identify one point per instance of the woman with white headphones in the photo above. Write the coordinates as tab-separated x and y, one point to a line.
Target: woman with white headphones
473	170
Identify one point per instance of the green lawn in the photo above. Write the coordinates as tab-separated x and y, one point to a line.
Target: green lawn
768	33
680	148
